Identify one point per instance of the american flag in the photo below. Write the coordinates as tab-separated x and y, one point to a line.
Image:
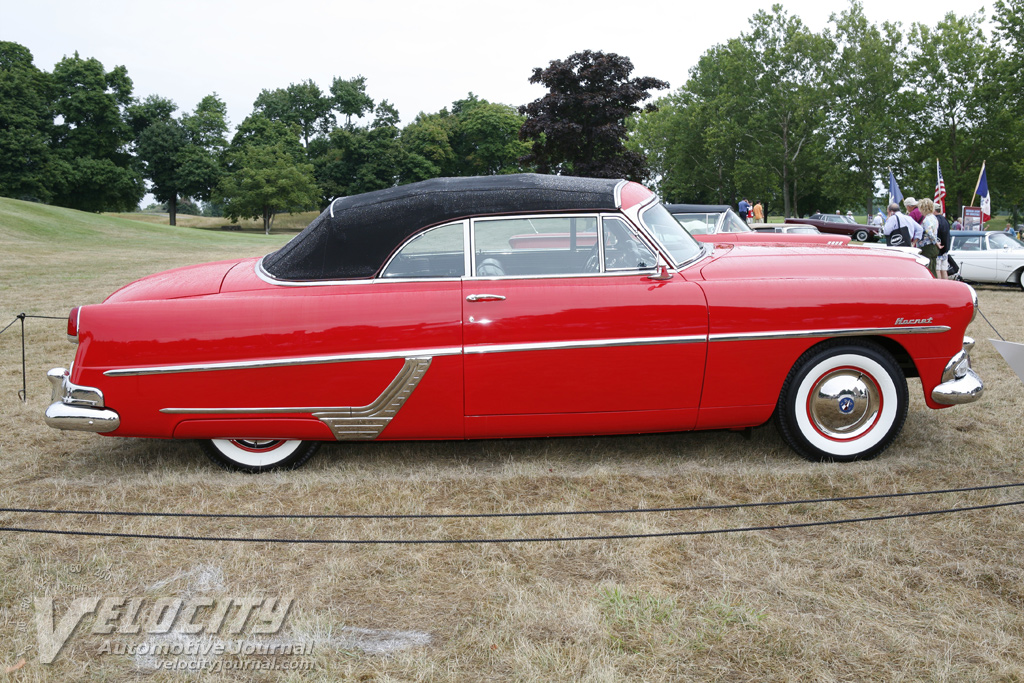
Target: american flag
940	188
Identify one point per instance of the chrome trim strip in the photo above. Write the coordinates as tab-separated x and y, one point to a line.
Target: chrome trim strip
345	422
332	206
617	192
283	362
804	334
585	344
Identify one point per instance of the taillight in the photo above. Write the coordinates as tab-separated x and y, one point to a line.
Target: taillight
73	325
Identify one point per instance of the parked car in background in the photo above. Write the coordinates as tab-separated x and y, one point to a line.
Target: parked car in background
840	225
719	223
786	229
515	306
988	257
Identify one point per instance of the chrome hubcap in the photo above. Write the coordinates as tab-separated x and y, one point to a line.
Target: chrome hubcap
844	403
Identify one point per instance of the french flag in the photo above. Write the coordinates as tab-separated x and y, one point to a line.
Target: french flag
986	198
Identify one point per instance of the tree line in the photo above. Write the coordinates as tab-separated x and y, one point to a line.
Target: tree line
76	137
798	119
807	120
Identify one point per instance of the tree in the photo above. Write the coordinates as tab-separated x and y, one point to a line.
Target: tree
788	102
1009	33
350	98
267	172
182	159
28	169
94	139
301	103
867	117
579	127
958	117
476	137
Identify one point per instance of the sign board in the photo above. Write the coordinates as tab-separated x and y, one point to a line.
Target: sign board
972	218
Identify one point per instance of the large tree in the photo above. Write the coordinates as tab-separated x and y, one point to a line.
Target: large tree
579	127
94	138
958	118
867	116
182	159
28	169
303	104
267	172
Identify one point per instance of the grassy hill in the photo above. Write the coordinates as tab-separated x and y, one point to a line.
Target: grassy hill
54	258
285	222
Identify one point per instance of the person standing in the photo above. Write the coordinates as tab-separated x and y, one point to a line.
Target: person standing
945	240
929	241
897	228
914	214
744	208
758	212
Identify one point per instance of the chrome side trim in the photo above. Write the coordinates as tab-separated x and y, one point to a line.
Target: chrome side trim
332	206
617	192
367	422
803	334
283	362
345	422
585	344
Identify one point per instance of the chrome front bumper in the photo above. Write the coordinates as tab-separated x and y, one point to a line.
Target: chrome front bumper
76	407
960	384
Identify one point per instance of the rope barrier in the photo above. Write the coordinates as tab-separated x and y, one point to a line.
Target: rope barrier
23	394
541	539
478	515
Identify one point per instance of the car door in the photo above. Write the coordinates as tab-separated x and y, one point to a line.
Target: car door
977	261
1009	254
577	339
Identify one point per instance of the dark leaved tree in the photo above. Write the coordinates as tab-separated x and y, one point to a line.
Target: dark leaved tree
579	127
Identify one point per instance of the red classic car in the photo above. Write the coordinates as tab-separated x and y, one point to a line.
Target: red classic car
426	312
718	223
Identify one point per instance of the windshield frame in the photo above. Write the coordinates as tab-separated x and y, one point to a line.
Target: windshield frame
676	261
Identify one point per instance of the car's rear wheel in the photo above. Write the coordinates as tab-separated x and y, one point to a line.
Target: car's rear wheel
861	235
259	455
843	401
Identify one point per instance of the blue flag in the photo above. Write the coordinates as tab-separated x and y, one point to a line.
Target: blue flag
894	190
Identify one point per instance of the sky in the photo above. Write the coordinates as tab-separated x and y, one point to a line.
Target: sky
419	55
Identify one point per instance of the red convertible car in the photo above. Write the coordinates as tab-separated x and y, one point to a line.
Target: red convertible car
515	306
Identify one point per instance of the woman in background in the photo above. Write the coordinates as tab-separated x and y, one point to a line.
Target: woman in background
929	242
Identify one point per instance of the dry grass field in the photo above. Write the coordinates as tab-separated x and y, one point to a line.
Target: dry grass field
287	223
937	598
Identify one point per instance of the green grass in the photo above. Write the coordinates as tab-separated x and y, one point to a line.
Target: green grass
930	598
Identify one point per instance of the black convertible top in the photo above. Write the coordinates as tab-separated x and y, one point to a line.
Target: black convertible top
697	208
355	235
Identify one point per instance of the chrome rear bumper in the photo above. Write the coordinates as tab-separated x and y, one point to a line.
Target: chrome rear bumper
960	383
77	407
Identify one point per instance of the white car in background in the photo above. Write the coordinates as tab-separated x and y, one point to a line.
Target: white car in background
988	257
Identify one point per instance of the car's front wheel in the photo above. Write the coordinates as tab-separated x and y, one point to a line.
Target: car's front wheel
259	455
861	235
843	401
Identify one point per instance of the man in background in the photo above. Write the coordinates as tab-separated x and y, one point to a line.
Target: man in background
942	260
758	212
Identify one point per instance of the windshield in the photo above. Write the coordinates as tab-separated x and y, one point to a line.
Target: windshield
667	230
697	223
733	223
1003	241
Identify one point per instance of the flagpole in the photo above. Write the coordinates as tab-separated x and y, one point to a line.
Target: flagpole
978	183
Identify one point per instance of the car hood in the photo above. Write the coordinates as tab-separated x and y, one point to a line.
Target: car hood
179	283
808	263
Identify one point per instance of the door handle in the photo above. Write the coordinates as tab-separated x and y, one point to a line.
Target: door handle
485	297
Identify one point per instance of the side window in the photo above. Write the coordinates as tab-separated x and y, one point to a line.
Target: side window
549	245
438	252
695	223
623	250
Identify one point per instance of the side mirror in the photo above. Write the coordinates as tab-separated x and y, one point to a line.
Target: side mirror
661	271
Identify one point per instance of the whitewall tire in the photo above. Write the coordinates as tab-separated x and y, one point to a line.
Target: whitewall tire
843	401
259	455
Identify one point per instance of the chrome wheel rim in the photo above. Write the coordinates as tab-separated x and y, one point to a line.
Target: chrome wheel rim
844	403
